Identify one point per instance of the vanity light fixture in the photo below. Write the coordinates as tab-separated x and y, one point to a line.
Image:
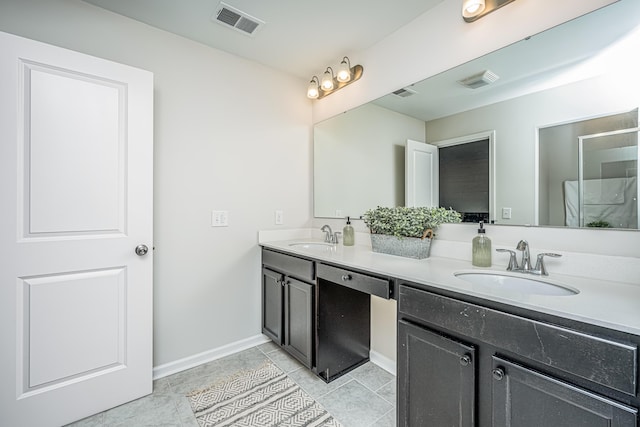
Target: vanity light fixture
475	9
330	82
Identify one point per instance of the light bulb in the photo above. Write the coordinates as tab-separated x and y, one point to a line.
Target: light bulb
312	90
327	81
471	8
344	72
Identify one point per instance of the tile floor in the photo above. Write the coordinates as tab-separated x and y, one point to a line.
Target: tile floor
364	397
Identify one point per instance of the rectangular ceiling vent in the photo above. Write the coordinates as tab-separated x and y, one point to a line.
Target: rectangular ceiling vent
404	92
236	19
480	79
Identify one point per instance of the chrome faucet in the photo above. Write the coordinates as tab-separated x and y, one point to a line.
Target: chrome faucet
329	235
525	266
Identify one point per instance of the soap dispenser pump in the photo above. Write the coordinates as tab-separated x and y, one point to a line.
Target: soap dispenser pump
348	238
481	249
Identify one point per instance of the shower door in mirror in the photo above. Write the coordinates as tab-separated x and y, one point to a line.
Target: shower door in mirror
607	186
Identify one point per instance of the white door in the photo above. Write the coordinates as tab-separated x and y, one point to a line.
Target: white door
76	192
421	174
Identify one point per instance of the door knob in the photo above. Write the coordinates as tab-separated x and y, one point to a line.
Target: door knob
141	250
498	374
465	360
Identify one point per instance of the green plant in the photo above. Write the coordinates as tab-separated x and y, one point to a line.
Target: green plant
599	224
407	222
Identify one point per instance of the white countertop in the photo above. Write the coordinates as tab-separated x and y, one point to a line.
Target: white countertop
612	305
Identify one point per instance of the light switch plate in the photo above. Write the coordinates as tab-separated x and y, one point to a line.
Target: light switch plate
506	213
279	217
219	218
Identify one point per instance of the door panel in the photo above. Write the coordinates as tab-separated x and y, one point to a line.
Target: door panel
437	377
518	394
75	173
76	182
61	348
272	296
298	338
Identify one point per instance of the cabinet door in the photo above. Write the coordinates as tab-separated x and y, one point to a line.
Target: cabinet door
436	379
525	398
272	304
298	314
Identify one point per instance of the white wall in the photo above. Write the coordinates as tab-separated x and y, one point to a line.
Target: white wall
230	135
370	139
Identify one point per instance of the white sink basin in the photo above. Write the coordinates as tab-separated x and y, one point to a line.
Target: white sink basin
314	246
522	284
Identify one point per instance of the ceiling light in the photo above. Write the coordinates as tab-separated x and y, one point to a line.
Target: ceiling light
330	83
475	9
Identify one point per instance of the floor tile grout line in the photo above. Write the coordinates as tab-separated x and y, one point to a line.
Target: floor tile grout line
381	417
375	391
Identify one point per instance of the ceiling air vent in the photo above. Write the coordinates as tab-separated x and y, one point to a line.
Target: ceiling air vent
404	92
238	20
480	79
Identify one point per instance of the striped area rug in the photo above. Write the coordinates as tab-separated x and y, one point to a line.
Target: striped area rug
261	397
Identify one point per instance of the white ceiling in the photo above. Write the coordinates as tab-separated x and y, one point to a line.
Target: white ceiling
300	37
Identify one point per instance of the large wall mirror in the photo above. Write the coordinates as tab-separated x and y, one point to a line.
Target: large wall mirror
562	106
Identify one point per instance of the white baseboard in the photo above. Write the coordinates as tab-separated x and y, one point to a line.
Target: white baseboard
207	356
180	365
384	362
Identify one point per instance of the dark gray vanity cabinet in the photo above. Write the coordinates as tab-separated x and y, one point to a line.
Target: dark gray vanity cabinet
463	363
288	303
319	313
442	391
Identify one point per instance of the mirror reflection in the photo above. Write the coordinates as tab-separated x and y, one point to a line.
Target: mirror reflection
539	100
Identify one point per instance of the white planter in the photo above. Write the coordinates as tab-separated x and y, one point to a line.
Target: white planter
410	247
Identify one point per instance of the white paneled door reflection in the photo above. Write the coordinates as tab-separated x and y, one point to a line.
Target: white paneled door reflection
76	187
421	174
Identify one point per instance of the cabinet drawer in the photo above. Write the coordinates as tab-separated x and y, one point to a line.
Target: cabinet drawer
297	267
600	360
358	281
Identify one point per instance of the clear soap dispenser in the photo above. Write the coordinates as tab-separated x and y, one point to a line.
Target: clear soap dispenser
481	249
348	238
